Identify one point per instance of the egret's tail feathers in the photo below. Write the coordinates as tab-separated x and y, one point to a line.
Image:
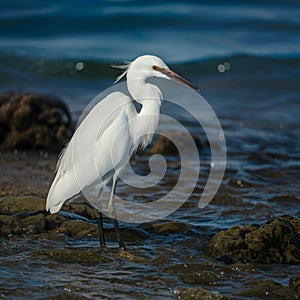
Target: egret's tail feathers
62	189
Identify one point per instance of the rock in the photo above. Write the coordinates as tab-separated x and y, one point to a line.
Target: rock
121	254
27	215
12	225
78	229
54	221
198	293
163	145
269	289
81	209
166	227
19	205
295	284
67	296
84	257
31	121
199	277
165	142
276	241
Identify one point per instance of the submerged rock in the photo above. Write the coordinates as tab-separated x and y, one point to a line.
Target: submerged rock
295	284
199	293
27	216
166	227
19	205
78	229
276	241
86	257
270	289
165	142
31	121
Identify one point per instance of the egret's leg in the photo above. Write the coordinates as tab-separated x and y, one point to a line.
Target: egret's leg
113	213
119	236
111	207
101	230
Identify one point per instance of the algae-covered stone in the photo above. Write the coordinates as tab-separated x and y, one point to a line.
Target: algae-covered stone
81	209
31	121
295	284
269	289
27	216
276	241
166	142
77	229
166	227
67	296
199	293
18	205
199	277
85	257
54	221
129	257
13	225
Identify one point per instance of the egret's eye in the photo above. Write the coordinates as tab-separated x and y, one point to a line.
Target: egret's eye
154	67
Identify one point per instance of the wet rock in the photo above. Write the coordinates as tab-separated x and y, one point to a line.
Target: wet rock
19	205
129	234
199	293
129	257
78	229
166	227
199	277
27	216
22	216
84	257
54	221
31	121
67	296
276	241
295	284
19	225
269	289
166	142
81	209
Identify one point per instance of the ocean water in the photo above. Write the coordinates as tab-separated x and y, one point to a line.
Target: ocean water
244	56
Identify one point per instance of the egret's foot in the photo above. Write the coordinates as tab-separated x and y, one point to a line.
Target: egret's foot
101	230
119	236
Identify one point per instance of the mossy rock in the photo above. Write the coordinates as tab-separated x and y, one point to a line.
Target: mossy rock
19	205
270	289
199	293
32	121
166	227
85	257
276	241
81	209
11	225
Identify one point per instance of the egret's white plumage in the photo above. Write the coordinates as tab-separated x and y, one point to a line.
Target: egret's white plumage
133	129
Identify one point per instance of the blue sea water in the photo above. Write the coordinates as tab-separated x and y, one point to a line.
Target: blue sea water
66	47
179	31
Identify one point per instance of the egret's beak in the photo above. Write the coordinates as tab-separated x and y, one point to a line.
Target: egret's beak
176	77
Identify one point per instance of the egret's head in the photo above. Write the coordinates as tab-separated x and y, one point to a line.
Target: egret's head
148	66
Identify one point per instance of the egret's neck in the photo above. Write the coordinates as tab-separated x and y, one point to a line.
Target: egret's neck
142	91
150	96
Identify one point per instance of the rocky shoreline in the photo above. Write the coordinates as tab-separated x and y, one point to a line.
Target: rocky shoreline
272	242
27	171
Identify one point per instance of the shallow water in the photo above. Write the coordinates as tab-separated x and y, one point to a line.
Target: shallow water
256	100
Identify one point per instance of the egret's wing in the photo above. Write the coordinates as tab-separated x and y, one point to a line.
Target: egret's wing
92	128
87	157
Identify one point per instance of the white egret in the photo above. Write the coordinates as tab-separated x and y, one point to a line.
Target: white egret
136	134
